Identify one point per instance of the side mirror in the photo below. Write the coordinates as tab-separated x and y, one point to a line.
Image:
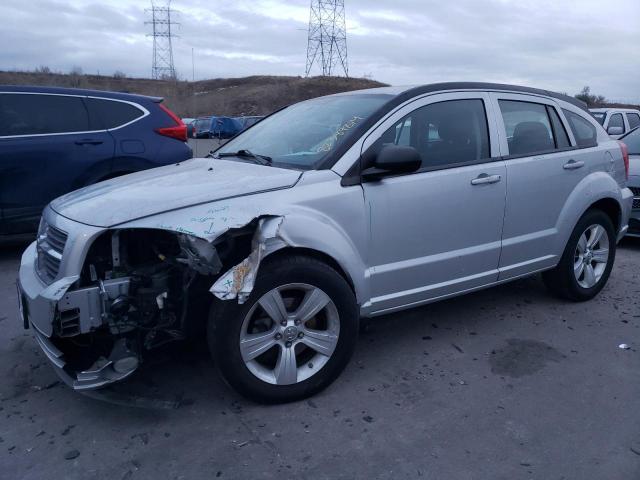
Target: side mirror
393	159
615	130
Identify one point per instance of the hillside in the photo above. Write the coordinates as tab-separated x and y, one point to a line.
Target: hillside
256	95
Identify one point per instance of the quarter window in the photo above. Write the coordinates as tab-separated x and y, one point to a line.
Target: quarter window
528	127
583	130
109	114
633	119
37	114
445	134
560	134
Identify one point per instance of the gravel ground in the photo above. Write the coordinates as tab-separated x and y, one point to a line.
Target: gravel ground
507	383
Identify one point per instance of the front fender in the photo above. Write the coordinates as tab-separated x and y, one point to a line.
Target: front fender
279	225
316	231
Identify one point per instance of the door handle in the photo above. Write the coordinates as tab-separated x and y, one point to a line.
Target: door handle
484	179
88	141
573	165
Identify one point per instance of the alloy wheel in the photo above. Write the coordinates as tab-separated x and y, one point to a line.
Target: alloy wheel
289	334
591	256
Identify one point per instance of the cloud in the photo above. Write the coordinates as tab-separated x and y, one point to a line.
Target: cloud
560	45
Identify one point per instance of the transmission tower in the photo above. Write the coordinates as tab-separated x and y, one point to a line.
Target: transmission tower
161	25
327	42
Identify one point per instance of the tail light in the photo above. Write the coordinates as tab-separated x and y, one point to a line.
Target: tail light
625	157
179	131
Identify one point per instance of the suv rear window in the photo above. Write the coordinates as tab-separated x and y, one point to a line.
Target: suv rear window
616	121
585	133
38	114
111	114
633	119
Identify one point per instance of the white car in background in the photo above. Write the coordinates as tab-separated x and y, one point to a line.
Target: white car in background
617	121
632	143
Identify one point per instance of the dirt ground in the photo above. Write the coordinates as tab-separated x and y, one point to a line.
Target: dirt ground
507	383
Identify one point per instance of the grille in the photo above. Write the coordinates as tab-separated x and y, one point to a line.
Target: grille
51	242
636	203
68	323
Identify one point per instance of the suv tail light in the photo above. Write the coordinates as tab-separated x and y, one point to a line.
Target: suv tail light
625	157
179	131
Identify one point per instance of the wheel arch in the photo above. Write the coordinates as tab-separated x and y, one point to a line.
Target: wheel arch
611	207
596	191
316	254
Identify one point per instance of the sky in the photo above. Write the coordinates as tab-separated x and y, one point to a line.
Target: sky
560	45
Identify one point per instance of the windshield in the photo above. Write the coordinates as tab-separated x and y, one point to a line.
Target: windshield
599	116
304	134
632	141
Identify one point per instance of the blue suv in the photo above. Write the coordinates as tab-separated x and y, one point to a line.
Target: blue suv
55	140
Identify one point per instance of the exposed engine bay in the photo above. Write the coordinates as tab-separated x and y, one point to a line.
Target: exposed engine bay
140	289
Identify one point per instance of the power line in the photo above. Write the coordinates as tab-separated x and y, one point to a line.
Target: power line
161	23
327	40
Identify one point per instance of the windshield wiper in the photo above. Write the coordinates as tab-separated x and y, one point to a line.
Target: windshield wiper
259	159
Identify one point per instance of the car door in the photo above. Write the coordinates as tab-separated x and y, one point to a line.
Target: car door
436	231
543	168
46	145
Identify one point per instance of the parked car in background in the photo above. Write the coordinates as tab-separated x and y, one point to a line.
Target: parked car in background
632	142
201	127
189	123
352	205
247	122
217	127
617	121
55	140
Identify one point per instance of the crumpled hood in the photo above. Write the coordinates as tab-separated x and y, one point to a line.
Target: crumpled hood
150	192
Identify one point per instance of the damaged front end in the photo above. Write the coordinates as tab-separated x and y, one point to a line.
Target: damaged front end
139	289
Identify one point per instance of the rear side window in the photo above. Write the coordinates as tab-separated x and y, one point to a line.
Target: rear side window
528	127
446	134
633	119
616	121
584	132
109	114
38	114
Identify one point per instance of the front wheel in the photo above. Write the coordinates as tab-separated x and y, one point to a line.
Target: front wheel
292	337
587	261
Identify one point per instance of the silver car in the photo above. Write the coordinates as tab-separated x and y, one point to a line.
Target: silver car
347	206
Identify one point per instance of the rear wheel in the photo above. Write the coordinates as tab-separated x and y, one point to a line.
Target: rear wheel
292	337
587	261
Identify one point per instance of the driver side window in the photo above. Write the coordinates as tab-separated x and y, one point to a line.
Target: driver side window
446	134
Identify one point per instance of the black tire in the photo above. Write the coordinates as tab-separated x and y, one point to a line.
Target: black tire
561	281
226	318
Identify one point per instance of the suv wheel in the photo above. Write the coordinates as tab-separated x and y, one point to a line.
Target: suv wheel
292	337
587	260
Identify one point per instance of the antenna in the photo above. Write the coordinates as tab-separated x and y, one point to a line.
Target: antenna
161	23
327	41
